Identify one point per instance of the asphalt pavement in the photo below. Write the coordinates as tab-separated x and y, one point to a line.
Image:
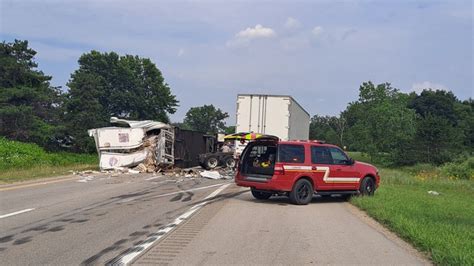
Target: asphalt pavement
239	230
93	219
167	220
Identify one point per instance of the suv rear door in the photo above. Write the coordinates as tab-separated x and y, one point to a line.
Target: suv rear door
258	161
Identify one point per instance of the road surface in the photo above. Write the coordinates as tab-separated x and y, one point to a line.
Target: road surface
144	219
90	219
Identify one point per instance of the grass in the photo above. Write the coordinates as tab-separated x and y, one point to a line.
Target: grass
35	172
23	161
441	226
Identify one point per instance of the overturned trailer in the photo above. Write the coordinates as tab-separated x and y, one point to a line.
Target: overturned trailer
189	144
154	144
133	142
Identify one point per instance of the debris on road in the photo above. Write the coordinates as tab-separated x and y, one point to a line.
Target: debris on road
85	179
211	174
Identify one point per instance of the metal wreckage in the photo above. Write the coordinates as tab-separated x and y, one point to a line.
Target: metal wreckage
150	146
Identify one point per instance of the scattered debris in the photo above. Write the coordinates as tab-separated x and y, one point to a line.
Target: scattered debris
86	179
211	174
434	193
131	171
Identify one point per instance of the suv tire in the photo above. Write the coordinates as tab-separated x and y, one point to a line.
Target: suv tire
367	186
302	192
211	162
261	195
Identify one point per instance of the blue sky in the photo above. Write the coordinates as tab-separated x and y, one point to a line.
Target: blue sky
209	51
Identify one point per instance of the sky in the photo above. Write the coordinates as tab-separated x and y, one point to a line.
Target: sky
319	52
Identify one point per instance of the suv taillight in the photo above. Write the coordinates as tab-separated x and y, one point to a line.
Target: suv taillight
279	170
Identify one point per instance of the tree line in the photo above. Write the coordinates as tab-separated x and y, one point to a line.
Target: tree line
104	85
399	128
402	128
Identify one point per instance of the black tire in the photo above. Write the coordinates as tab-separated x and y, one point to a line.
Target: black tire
302	192
367	186
211	162
346	197
229	162
261	195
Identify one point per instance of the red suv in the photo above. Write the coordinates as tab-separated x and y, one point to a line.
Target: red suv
300	169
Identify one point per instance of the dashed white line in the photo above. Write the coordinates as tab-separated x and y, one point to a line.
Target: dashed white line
138	249
15	213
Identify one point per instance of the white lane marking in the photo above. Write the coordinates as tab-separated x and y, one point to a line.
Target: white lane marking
138	249
188	190
15	213
172	193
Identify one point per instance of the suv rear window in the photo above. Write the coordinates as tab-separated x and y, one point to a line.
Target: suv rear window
289	153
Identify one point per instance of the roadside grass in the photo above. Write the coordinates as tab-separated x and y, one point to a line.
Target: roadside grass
41	171
23	161
441	226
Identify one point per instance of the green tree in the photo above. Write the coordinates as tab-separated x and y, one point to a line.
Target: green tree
328	128
229	130
106	85
380	123
29	105
444	126
206	118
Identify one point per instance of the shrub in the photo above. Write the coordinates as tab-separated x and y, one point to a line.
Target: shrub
459	169
15	154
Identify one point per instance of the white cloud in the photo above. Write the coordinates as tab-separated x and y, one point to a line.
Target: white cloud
243	37
258	32
317	31
420	86
180	52
292	23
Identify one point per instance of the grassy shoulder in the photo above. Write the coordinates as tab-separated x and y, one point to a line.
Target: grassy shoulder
24	161
442	226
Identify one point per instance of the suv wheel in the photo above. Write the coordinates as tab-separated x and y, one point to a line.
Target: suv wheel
367	186
211	163
302	192
346	197
261	195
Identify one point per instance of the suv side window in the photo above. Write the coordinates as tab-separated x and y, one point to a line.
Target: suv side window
338	156
289	153
320	155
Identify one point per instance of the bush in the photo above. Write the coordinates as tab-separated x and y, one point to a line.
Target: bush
14	154
459	169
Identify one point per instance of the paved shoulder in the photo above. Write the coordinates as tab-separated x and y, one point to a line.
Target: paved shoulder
241	230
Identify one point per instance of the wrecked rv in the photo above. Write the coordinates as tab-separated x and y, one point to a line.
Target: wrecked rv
149	145
131	143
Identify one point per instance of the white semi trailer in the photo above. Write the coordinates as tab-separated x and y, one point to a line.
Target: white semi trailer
278	115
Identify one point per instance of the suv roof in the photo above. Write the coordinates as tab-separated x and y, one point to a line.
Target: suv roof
300	142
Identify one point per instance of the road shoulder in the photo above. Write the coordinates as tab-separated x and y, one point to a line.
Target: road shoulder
239	230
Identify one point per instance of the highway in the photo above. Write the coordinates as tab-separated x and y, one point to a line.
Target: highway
145	219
